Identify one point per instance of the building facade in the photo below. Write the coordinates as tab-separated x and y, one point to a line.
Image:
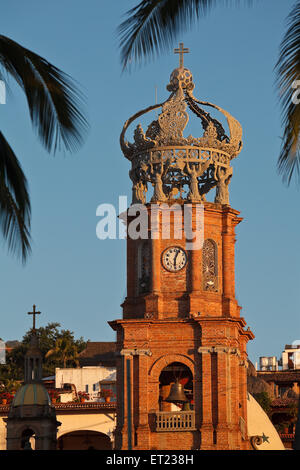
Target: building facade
182	338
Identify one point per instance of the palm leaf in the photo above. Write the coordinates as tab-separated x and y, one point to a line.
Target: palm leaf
53	99
51	352
288	71
153	25
14	202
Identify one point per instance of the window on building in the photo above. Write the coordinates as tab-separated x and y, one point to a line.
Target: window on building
210	265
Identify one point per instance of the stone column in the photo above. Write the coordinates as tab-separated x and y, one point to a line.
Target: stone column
228	266
196	265
223	388
135	411
142	411
206	399
243	397
228	252
234	358
123	429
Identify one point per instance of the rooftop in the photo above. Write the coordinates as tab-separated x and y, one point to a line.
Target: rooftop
98	353
280	376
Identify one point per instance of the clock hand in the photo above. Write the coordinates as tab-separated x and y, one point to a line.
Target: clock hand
175	259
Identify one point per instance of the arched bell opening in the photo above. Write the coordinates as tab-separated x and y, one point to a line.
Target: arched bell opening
176	391
84	440
28	439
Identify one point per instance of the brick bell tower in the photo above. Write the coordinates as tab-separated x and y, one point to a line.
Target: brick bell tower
181	370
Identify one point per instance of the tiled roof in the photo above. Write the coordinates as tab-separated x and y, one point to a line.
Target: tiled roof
98	353
61	407
279	402
85	406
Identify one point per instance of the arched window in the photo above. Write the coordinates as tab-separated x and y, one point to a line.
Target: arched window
28	439
175	373
210	265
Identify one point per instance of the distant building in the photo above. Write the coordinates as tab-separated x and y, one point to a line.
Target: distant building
268	363
98	353
85	425
90	379
97	372
282	379
290	360
291	357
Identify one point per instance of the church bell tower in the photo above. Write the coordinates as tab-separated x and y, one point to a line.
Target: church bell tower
181	371
31	423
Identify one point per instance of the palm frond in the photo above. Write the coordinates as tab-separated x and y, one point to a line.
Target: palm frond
287	74
153	25
14	202
53	99
51	352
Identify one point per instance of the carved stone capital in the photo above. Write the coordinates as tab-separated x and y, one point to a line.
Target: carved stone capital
244	363
219	349
135	352
205	349
235	352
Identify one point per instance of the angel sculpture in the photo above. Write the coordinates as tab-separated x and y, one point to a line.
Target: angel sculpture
223	177
139	187
157	174
195	171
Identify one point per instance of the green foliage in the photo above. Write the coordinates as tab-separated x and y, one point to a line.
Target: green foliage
54	104
264	400
293	410
51	338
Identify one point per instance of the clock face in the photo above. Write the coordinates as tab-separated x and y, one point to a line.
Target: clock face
174	258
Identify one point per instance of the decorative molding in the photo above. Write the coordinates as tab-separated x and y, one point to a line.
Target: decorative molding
256	441
219	349
136	352
149	315
235	352
244	363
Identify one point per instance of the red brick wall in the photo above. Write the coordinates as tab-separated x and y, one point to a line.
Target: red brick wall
166	322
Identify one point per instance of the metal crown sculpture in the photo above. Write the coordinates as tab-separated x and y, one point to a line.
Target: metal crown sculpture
175	164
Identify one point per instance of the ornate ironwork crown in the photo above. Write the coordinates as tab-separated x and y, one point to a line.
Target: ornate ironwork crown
175	164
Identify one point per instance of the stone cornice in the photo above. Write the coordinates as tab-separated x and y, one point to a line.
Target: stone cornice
135	352
219	349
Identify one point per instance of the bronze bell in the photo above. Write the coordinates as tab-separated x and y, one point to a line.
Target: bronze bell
177	394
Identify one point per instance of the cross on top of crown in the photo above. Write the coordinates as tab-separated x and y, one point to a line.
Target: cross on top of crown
181	50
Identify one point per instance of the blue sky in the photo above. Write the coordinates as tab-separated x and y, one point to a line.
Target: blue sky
78	280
